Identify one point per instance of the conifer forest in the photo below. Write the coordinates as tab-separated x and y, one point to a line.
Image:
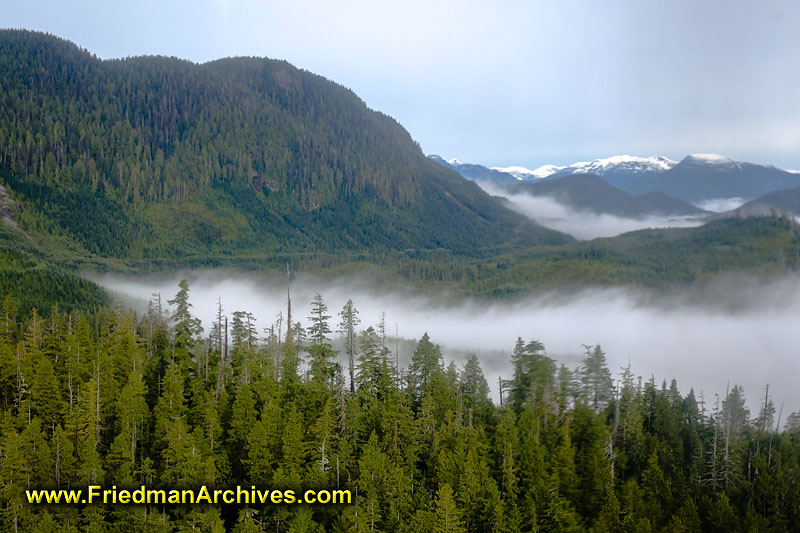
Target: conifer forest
126	399
119	172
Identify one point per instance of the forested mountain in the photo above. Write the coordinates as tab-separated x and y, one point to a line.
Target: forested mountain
157	162
155	157
37	282
663	258
589	193
112	400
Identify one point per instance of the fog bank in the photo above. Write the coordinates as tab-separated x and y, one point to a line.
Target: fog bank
583	225
721	205
735	330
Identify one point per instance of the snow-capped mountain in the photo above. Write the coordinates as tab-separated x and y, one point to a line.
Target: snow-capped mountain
696	178
526	174
713	161
619	164
700	177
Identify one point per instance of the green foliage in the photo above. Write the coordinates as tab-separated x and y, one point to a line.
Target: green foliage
156	162
153	157
104	399
659	258
37	283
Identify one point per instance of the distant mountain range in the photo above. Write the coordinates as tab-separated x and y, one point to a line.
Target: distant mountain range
590	193
477	172
694	179
609	168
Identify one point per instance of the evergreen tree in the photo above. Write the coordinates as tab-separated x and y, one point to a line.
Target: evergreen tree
186	327
534	376
347	327
474	388
596	384
321	354
78	409
448	516
426	362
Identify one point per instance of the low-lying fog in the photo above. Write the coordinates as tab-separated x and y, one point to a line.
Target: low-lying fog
585	225
730	331
720	205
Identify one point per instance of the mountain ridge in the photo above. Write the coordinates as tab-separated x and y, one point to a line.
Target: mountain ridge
153	162
237	155
696	178
781	202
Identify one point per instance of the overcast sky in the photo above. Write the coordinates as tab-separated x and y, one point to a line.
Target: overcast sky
501	82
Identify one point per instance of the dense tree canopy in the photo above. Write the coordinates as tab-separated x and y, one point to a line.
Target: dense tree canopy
232	157
115	399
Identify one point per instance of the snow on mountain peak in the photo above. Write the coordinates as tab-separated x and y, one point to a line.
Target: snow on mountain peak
626	163
523	174
710	158
618	163
453	161
546	170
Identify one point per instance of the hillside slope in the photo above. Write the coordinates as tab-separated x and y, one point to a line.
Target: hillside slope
152	157
769	246
785	201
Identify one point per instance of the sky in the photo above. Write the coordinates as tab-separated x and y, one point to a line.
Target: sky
503	82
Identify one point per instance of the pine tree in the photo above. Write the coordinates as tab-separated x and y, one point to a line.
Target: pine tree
243	331
534	376
596	385
426	362
132	416
448	516
319	329
263	444
766	416
186	326
347	327
793	422
321	354
473	385
368	367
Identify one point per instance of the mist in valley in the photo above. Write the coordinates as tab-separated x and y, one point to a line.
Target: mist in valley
721	205
583	225
735	330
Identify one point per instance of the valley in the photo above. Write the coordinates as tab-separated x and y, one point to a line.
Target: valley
236	273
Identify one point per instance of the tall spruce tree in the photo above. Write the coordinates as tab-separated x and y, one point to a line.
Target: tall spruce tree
347	327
